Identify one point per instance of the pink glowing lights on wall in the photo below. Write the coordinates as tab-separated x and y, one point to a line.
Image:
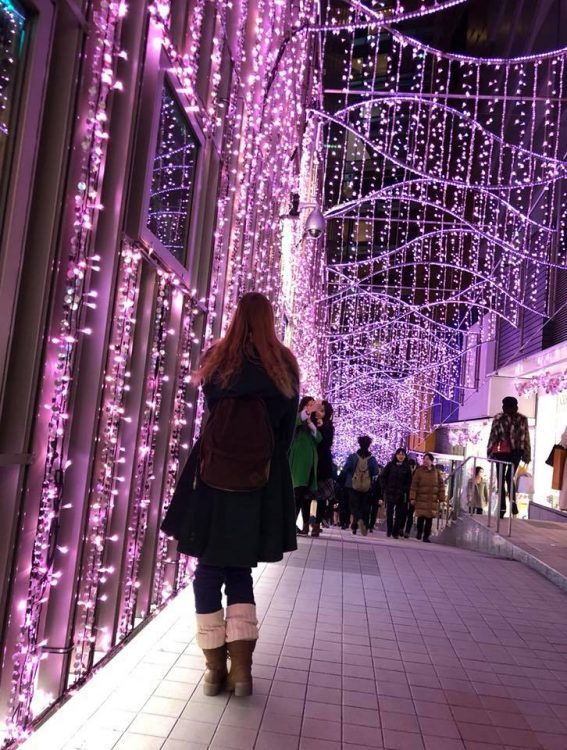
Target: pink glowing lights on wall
256	177
109	460
81	267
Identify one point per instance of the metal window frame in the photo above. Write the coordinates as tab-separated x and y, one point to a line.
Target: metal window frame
158	71
21	165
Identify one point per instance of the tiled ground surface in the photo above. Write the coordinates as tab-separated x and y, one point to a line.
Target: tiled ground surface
546	540
365	643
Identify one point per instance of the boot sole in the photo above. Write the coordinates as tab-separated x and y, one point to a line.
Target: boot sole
212	688
242	689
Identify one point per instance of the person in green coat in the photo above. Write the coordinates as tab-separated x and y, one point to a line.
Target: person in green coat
232	531
303	459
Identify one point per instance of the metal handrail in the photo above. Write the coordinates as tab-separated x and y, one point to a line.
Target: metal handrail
460	466
458	473
449	504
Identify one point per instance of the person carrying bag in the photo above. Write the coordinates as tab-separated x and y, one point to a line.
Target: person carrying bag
234	504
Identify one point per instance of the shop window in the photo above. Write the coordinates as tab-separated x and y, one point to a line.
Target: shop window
12	23
173	177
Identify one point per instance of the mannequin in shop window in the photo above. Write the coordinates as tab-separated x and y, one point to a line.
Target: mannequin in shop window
509	443
560	471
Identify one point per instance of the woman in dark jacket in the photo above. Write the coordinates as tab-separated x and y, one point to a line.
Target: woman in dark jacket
232	531
325	481
396	481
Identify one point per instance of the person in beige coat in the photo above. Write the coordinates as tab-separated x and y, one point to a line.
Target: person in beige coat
426	492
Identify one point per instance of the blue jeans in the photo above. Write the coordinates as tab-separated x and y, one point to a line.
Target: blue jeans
208	583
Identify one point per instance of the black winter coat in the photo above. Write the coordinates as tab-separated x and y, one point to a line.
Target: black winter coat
396	480
325	462
239	529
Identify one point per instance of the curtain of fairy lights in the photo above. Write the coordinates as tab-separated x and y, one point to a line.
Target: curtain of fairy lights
443	175
261	142
271	123
263	123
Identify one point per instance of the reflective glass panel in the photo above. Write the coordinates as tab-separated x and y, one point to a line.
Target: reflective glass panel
11	51
173	177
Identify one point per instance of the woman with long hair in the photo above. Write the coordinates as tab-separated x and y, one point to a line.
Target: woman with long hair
248	373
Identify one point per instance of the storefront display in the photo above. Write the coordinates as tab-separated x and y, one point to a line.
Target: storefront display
551	430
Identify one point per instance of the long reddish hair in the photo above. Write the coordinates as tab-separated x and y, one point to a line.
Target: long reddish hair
251	335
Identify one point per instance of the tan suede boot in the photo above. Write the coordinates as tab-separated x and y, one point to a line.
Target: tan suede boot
216	674
241	636
240	675
211	636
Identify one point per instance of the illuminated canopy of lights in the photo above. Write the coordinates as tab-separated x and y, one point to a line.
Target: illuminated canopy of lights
442	179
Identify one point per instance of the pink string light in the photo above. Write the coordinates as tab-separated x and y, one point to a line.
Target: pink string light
81	266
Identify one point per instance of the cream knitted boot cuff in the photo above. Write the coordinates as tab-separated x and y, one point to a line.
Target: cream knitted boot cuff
241	623
211	630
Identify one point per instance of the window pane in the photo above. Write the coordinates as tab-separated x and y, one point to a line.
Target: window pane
173	178
11	52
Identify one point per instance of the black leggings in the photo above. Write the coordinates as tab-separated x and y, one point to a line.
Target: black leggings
302	503
208	583
395	515
505	478
424	526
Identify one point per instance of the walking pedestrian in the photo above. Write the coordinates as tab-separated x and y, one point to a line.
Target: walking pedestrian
409	507
374	500
234	504
303	459
509	443
359	470
325	481
426	493
396	481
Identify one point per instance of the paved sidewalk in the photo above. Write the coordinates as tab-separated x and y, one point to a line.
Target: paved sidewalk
365	643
